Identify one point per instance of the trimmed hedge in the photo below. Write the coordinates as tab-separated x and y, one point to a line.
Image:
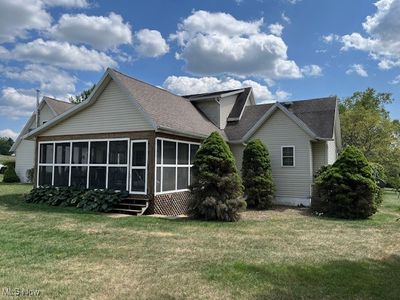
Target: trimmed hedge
90	200
10	176
217	189
348	189
259	188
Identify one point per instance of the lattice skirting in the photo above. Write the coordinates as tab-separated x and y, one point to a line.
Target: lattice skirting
170	204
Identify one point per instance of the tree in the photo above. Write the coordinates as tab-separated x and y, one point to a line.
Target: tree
82	96
5	145
257	175
10	175
217	189
348	188
366	124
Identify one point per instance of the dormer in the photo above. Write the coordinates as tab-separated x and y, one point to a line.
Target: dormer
223	106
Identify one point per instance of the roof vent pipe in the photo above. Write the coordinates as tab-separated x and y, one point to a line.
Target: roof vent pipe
37	107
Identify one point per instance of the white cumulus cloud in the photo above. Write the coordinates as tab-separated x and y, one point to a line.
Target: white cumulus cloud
276	29
18	17
15	103
8	133
218	43
184	85
358	69
101	32
52	81
150	43
381	39
60	54
312	70
67	3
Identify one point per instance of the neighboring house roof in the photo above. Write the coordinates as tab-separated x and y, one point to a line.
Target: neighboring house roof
315	116
56	106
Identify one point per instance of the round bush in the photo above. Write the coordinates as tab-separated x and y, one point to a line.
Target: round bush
10	176
348	188
217	189
259	187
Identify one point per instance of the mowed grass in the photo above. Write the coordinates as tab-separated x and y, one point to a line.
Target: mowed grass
279	254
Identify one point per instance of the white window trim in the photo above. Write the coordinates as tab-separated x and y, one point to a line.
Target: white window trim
294	156
176	166
138	168
88	164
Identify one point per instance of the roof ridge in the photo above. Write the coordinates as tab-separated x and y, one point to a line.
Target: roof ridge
146	83
58	100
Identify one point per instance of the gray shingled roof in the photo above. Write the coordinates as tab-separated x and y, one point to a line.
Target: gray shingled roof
317	114
57	105
239	104
166	109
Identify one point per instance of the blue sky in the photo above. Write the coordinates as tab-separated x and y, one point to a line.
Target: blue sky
285	49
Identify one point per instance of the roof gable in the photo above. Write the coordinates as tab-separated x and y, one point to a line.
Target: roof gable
315	116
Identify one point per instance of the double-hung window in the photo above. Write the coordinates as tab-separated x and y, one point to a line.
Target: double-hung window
174	161
288	156
93	164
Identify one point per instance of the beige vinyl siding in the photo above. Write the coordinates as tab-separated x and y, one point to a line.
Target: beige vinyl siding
226	106
45	114
278	131
211	110
237	150
24	158
331	145
113	111
319	152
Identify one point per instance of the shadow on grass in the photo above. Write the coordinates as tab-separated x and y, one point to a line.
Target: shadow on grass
366	279
15	202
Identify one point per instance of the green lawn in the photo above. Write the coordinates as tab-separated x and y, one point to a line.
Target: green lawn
279	254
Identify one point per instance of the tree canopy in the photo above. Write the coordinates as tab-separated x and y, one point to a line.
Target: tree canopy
82	96
366	124
5	145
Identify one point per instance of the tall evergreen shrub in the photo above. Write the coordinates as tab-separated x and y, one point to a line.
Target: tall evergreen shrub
217	189
348	188
259	187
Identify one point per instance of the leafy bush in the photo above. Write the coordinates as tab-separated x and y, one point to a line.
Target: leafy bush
9	175
257	176
348	188
91	200
29	174
217	189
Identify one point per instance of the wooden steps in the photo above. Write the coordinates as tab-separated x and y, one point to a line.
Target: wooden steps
132	206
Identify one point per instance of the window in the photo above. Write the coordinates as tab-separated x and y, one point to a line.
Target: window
139	167
174	161
288	156
68	164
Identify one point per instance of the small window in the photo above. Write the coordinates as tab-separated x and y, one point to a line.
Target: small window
80	153
118	152
288	156
46	153
169	153
62	153
98	152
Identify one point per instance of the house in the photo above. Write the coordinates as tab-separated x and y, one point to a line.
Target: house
24	149
130	135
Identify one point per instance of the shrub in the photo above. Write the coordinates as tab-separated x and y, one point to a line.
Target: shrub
10	176
217	189
90	200
348	188
29	174
257	176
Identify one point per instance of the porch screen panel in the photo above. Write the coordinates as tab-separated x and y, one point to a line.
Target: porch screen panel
139	167
94	164
174	161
